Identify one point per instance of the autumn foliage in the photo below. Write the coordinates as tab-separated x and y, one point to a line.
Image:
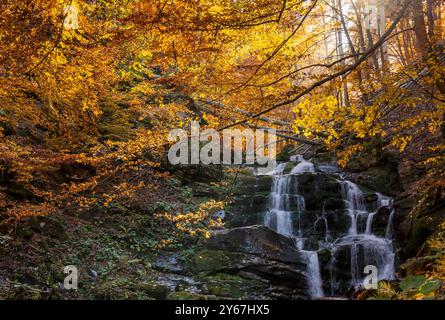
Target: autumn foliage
85	113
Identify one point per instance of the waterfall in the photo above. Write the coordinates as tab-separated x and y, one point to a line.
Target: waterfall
375	250
389	228
355	278
279	218
369	222
315	283
303	166
354	202
382	201
287	215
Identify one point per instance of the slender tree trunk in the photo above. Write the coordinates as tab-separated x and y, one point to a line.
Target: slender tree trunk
351	44
374	58
422	45
341	51
430	14
400	50
381	31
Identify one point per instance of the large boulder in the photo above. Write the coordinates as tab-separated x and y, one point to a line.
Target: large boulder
385	179
255	253
257	240
250	199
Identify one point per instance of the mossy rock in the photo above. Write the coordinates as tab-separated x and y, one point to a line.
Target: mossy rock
201	189
421	229
233	286
154	290
263	183
323	256
289	167
383	179
416	266
48	225
210	261
324	157
328	183
244	214
127	288
334	204
185	295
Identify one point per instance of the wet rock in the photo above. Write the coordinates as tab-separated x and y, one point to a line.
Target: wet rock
370	198
251	196
186	295
177	282
324	255
169	262
254	250
380	221
257	240
327	167
334	204
359	251
154	290
339	222
384	179
233	286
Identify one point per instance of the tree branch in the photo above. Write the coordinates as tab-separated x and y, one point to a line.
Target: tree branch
333	76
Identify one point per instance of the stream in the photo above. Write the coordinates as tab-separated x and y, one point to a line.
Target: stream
337	241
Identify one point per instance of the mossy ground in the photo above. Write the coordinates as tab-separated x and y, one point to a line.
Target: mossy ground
114	249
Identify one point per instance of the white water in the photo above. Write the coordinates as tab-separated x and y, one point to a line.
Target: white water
315	283
389	225
376	250
354	203
279	218
369	222
364	246
303	166
382	201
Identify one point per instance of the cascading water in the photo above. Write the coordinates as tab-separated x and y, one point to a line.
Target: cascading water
353	247
354	203
279	218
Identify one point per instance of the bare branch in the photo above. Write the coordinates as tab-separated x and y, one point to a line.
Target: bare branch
335	75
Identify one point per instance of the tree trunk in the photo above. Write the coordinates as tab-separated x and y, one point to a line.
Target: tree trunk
422	45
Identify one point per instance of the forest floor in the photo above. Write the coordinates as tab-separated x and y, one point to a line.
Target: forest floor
115	252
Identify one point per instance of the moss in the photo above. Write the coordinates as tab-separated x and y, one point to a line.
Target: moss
185	295
233	286
324	255
130	288
289	167
50	226
154	290
213	260
380	178
326	157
